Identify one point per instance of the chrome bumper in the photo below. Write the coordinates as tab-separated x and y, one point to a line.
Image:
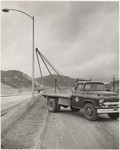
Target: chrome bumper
105	111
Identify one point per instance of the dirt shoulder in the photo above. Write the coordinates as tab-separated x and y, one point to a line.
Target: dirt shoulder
26	131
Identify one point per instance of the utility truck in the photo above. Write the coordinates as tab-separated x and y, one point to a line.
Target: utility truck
87	95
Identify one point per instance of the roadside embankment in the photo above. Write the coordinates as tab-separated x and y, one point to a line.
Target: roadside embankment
13	115
28	131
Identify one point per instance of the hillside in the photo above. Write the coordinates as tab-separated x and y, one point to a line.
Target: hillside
19	80
16	79
8	90
49	81
109	86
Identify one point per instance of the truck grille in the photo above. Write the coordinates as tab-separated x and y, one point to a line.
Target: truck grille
111	104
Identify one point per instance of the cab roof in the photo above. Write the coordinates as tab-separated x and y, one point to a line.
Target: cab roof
91	82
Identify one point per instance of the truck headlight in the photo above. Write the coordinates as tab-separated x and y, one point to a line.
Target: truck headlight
101	101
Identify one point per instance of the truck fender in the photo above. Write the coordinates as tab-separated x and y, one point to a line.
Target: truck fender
87	101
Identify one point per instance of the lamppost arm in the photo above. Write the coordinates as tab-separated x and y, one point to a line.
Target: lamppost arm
7	10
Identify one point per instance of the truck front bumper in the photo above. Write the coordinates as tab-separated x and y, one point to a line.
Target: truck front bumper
105	110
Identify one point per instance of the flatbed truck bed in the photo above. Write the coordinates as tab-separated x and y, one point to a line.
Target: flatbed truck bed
57	95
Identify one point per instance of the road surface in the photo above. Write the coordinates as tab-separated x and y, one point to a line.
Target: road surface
9	102
70	130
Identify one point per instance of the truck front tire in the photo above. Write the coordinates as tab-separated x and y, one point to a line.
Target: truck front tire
53	105
90	112
113	115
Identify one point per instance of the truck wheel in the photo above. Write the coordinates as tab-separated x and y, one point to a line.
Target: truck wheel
113	115
74	109
90	112
64	106
53	105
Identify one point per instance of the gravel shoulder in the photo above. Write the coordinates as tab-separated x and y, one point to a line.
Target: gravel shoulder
24	134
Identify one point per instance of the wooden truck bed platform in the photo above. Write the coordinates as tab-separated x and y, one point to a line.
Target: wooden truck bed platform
57	95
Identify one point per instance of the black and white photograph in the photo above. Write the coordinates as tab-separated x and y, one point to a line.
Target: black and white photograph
59	74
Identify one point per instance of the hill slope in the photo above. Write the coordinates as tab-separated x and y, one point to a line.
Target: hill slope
49	81
109	86
8	90
19	80
16	79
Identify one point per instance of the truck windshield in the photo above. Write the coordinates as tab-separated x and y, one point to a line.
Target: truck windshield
94	87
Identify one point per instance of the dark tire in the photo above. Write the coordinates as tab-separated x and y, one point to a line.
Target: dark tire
90	112
53	105
113	115
64	106
74	109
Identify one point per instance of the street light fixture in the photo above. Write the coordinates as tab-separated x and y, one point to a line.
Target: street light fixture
32	17
5	10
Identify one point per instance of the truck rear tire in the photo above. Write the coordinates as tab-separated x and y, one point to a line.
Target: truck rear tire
74	109
113	115
64	106
90	112
53	105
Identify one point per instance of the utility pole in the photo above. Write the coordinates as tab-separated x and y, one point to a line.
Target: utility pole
113	83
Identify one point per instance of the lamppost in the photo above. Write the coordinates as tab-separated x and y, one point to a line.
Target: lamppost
32	17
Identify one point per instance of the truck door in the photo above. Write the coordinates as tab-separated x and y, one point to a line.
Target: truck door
77	96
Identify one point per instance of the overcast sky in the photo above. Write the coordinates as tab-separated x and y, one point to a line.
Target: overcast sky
80	38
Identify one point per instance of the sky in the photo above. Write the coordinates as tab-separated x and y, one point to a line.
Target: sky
80	38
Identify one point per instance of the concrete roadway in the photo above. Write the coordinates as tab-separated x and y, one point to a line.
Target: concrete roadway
9	102
70	130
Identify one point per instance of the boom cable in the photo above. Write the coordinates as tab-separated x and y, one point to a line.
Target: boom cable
54	68
40	70
42	57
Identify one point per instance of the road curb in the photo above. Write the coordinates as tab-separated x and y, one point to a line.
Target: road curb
40	136
10	118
